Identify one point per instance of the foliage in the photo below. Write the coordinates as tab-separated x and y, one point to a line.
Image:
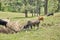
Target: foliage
19	5
52	5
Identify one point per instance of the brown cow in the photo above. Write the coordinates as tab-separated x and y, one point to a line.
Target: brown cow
41	18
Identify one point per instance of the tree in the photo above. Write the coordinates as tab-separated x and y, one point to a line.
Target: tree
45	7
0	6
11	5
26	12
58	6
31	6
38	6
52	6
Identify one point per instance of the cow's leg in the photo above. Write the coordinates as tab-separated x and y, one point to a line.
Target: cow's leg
38	26
31	26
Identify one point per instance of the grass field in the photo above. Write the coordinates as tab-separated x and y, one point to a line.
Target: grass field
49	28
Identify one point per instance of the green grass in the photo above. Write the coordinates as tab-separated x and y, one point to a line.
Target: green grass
45	32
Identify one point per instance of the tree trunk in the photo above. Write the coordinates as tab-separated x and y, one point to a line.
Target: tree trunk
0	6
38	7
58	6
45	7
32	12
26	13
39	11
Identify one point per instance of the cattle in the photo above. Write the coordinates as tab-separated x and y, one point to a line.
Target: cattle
2	22
14	25
6	30
41	18
50	14
26	26
32	23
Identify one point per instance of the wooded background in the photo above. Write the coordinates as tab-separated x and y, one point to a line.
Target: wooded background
30	6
